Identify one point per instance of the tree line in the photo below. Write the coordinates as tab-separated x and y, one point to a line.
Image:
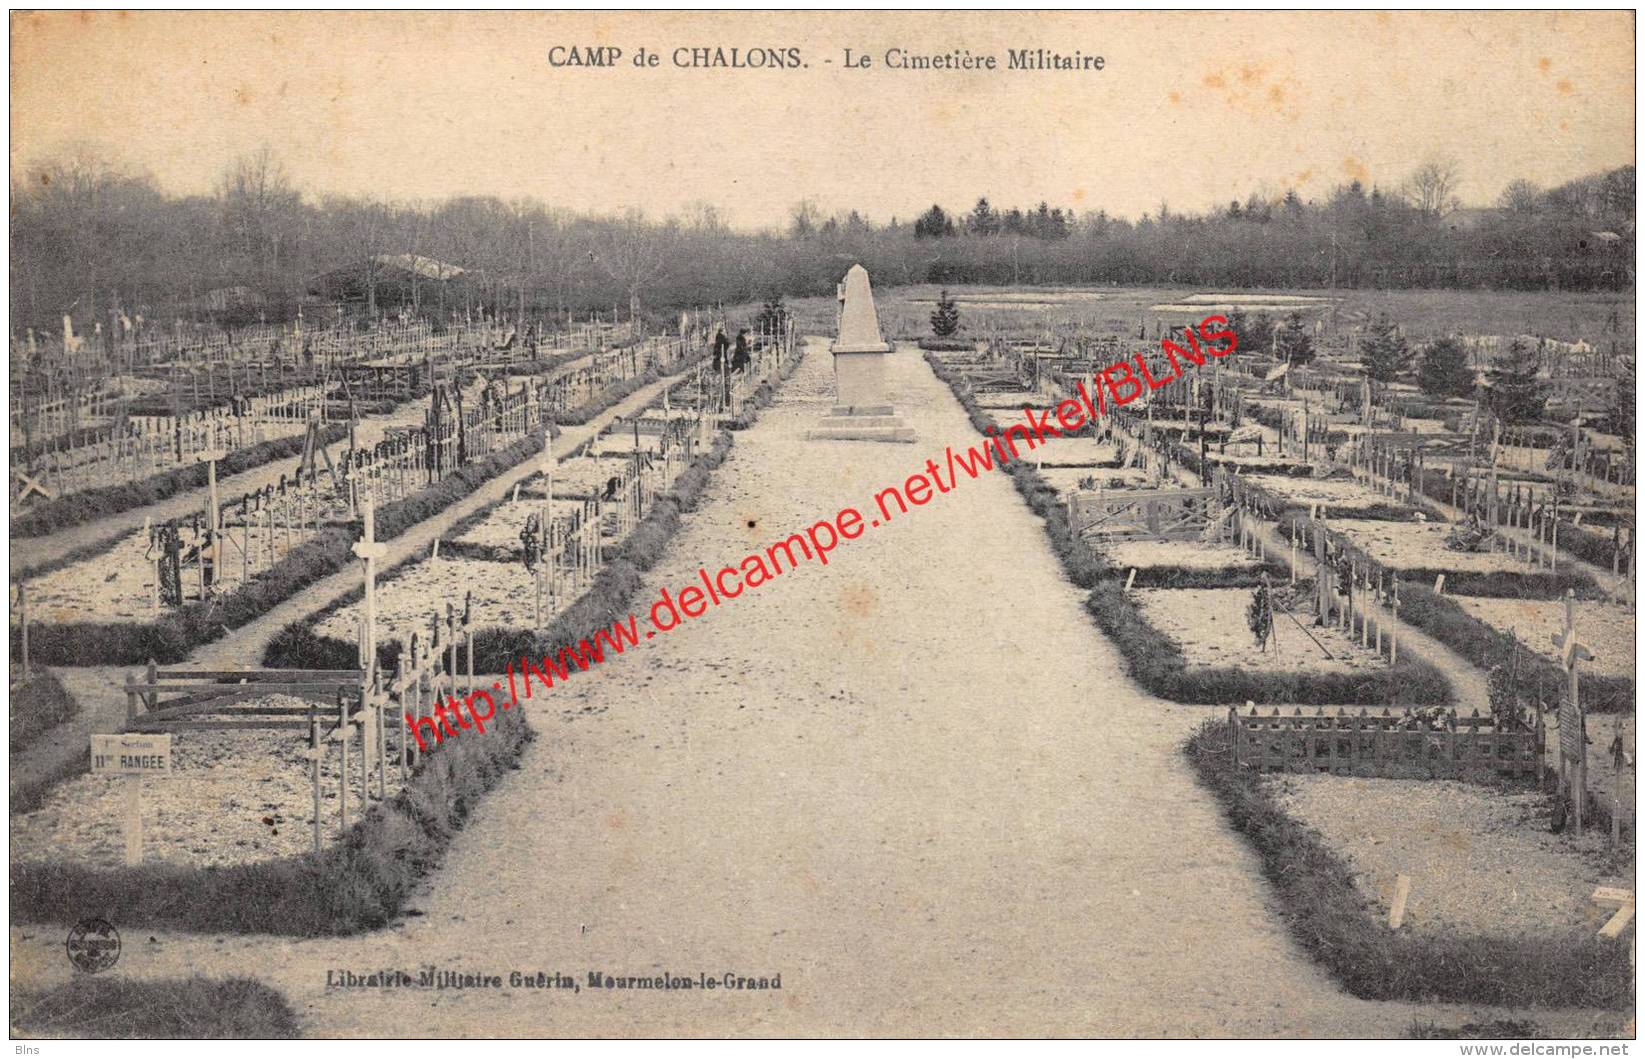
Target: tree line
92	239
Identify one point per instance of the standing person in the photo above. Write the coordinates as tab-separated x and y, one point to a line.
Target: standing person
721	387
721	344
739	358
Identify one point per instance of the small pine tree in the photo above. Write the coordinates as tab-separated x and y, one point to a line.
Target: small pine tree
1383	351
1256	333
1445	371
1259	616
945	321
1295	345
1514	394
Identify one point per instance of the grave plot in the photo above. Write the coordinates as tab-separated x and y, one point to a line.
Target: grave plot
586	476
1075	479
1004	401
1333	494
1186	555
1209	627
256	786
1481	860
120	584
502	592
1420	546
501	528
1069	452
1607	629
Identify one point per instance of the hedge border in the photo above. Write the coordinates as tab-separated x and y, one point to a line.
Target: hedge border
170	639
38	705
1324	912
362	881
88	505
195	1008
1154	661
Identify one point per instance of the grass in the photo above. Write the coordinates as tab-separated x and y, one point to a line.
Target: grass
38	705
88	505
1326	915
196	1008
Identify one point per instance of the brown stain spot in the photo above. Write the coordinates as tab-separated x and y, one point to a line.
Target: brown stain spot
1305	176
1276	95
45	178
242	95
1250	75
1213	81
1079	194
1175	97
616	821
1563	87
792	1001
1355	169
859	600
1544	64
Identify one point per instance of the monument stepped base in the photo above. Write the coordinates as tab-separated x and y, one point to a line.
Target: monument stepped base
883	425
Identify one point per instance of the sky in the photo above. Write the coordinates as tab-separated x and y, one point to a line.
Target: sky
1189	109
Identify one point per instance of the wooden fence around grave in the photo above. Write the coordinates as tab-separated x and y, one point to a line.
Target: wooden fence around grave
333	709
1387	745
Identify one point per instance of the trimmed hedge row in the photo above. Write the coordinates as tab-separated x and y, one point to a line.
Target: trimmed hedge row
170	639
359	883
1597	549
1488	647
1156	663
38	705
88	505
196	1008
1337	927
362	882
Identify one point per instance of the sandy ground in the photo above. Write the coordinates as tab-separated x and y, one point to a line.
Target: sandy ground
256	784
1419	546
1338	492
1209	625
921	825
501	594
1071	452
1481	861
1607	629
1192	555
501	529
118	585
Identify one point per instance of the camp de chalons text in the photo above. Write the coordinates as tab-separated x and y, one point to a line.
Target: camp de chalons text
709	57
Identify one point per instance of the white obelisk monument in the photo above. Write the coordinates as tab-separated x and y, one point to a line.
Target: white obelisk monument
863	411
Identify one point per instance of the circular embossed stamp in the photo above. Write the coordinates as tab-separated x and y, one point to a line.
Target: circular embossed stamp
93	945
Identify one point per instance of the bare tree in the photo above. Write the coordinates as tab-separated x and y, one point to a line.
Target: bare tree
1432	188
1520	196
632	253
259	207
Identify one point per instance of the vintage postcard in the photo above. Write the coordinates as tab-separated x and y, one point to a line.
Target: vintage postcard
770	524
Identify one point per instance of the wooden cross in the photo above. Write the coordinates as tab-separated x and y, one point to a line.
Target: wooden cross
1572	735
30	484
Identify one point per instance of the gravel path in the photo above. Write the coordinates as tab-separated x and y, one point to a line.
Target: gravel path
915	783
